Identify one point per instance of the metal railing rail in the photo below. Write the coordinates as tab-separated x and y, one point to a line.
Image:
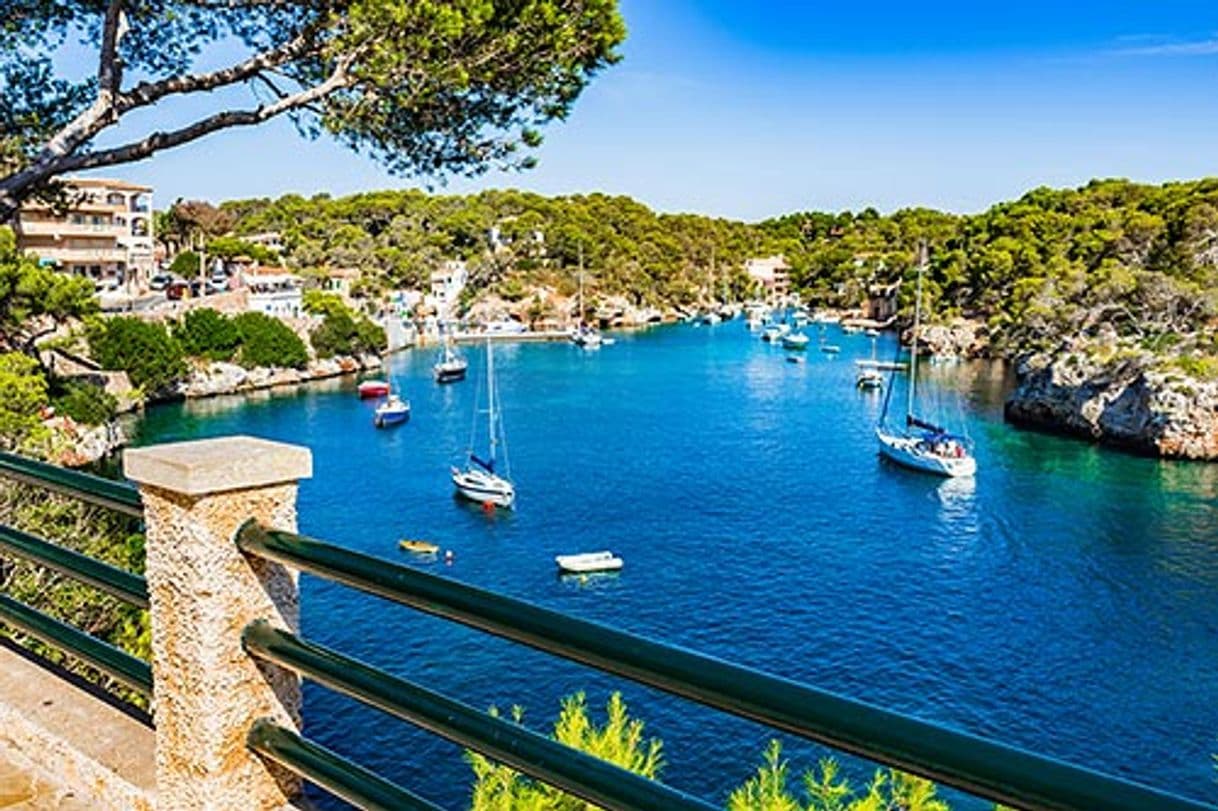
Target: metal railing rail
342	778
131	588
119	665
985	768
597	781
116	582
86	487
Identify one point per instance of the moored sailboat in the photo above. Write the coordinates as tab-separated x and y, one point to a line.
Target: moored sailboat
451	367
393	411
479	481
922	445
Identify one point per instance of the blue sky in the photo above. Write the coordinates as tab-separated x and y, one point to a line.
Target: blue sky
752	109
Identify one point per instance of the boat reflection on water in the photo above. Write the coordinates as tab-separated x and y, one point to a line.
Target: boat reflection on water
585	581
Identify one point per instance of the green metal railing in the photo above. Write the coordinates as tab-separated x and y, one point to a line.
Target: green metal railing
339	776
572	771
112	495
117	664
985	768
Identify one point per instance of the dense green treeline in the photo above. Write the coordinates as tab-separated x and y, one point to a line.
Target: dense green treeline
1138	260
398	237
1114	256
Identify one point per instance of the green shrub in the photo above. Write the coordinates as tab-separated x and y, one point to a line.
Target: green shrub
150	356
1202	368
319	302
185	264
231	247
342	334
86	403
267	341
23	392
206	333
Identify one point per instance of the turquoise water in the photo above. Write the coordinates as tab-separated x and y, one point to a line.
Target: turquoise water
1066	601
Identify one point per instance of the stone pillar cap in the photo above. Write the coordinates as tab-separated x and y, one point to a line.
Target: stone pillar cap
204	466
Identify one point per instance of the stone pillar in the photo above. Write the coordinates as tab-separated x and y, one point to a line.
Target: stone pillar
206	689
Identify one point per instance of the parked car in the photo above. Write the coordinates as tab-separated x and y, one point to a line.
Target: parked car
159	282
180	289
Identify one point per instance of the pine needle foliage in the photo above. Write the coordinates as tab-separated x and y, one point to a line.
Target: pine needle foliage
619	740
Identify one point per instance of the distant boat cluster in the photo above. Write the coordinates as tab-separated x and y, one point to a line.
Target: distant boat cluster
919	444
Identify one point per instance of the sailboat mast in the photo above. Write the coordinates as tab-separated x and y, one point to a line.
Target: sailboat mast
913	349
581	284
490	394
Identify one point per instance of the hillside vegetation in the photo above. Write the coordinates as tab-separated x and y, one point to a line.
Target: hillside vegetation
1113	258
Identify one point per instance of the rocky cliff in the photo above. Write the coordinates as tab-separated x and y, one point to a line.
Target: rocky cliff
1128	400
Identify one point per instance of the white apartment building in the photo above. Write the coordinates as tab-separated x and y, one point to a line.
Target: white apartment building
772	273
105	233
447	284
277	294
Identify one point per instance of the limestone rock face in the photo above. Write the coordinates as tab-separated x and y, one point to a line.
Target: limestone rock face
962	338
211	379
74	444
1127	403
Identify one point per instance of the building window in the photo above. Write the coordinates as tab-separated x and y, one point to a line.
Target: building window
139	227
115	199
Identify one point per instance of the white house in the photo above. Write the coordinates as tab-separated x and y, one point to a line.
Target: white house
274	294
447	284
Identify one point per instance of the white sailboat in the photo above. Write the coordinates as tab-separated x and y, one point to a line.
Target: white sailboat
869	376
479	481
451	366
923	445
583	335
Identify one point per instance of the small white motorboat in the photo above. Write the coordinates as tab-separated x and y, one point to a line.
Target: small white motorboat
774	332
831	349
795	340
587	562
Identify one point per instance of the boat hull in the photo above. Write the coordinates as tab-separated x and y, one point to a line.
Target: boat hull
387	419
484	488
449	374
588	563
905	451
372	390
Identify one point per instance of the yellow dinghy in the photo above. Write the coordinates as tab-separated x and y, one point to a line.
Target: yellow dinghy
418	547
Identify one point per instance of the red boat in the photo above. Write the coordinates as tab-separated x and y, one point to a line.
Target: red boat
373	388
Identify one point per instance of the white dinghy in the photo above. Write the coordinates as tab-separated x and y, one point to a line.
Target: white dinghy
587	562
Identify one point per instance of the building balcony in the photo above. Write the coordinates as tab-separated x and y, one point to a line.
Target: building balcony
79	256
60	228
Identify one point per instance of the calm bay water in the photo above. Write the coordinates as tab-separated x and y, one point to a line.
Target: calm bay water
1065	601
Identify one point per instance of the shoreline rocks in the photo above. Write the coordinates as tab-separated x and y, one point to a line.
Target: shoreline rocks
218	378
1127	402
962	338
75	445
